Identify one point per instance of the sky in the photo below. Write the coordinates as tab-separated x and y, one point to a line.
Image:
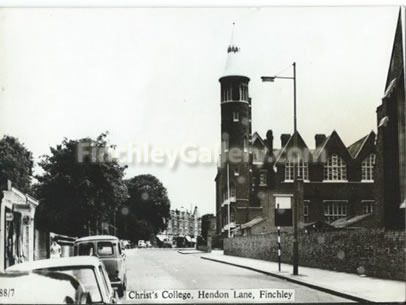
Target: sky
149	76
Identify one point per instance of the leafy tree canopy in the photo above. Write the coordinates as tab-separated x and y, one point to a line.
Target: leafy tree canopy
16	164
77	190
148	205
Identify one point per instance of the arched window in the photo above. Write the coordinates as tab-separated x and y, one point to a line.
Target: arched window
335	169
243	92
302	168
227	95
368	168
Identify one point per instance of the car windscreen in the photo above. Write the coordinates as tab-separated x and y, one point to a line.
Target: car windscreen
105	248
86	276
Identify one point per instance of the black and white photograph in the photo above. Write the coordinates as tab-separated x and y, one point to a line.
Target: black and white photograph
202	155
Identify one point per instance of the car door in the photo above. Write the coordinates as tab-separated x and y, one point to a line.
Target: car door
109	296
107	253
121	262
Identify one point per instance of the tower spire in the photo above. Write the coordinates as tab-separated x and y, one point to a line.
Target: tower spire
232	47
233	62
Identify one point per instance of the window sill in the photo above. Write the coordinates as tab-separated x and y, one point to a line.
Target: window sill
335	181
291	181
367	181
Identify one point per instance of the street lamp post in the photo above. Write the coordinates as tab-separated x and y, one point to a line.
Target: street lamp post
229	201
296	171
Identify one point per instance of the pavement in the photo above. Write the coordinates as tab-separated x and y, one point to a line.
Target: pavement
347	285
189	251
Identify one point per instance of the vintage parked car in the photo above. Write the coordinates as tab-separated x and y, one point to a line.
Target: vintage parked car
107	248
142	244
89	271
41	287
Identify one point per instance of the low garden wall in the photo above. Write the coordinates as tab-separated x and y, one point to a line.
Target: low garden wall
375	253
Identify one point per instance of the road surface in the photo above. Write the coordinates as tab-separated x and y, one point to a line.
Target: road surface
161	269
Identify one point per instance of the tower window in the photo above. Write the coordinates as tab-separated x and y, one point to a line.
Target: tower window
226	145
243	92
236	116
368	168
262	178
227	94
245	144
236	171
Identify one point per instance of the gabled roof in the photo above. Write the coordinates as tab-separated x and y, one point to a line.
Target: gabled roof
332	137
355	148
256	137
290	143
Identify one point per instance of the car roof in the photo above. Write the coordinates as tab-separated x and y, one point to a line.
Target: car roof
71	261
35	287
97	237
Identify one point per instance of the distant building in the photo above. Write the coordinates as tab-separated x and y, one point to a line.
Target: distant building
391	150
182	223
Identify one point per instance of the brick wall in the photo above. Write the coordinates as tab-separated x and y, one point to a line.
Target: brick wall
375	253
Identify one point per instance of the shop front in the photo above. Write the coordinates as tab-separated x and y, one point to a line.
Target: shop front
16	228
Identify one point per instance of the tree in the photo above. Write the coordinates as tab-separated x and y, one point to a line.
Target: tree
148	207
81	186
16	164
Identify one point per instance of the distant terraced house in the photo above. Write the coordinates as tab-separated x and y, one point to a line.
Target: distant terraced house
184	223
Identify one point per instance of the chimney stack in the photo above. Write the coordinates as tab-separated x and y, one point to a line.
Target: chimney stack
320	138
269	137
284	139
